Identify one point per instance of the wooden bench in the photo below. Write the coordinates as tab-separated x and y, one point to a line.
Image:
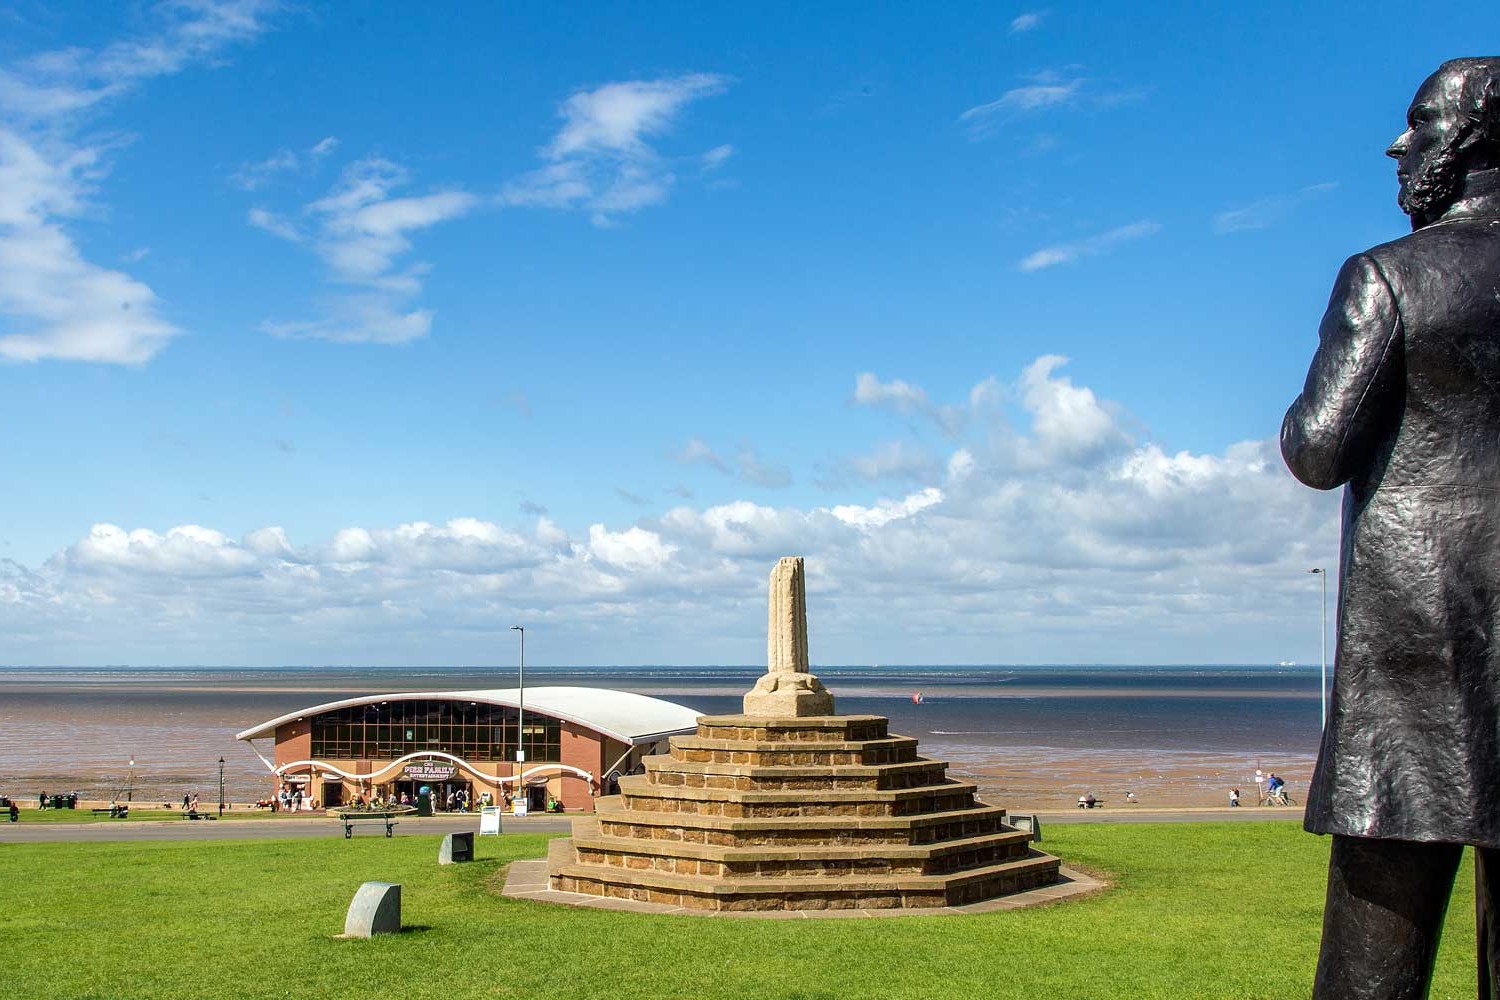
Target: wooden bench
113	812
197	814
350	818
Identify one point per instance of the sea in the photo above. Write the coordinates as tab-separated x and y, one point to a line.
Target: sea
1171	735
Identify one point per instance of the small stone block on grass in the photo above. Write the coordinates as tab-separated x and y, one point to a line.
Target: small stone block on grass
376	909
456	848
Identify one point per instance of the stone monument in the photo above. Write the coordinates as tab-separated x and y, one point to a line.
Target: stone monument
789	687
1402	408
790	807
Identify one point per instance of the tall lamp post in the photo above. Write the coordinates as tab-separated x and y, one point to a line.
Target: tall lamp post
1323	690
520	715
221	787
130	782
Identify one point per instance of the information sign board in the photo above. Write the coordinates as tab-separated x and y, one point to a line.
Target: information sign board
489	820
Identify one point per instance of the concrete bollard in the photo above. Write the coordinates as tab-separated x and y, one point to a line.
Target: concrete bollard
1030	822
457	847
376	909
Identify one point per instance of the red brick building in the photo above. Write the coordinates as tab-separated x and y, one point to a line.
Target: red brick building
393	744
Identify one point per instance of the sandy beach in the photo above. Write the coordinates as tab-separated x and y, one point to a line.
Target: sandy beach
1030	739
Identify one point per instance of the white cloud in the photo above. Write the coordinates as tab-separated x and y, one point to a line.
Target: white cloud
1059	537
1067	253
895	460
274	224
54	302
906	399
1047	91
601	160
1068	421
1029	21
1267	212
748	464
186	551
698	452
632	549
982	119
361	230
617	117
254	176
886	511
716	157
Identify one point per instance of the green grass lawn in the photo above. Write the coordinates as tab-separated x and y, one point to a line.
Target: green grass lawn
1197	910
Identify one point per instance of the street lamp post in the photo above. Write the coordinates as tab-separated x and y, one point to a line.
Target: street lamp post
520	712
130	782
1323	690
221	787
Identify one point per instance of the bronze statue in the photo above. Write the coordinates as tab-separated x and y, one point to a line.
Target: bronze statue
1402	408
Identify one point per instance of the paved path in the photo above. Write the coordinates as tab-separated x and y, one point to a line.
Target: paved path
258	829
1196	814
320	826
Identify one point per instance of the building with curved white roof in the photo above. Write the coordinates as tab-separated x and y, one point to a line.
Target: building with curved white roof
571	738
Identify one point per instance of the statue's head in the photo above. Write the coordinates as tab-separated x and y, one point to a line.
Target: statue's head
1452	130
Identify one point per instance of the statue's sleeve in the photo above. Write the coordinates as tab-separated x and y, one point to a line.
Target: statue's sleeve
1354	386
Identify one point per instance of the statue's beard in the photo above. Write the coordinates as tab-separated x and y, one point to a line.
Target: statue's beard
1433	188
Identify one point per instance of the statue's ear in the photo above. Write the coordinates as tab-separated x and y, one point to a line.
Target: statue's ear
1485	118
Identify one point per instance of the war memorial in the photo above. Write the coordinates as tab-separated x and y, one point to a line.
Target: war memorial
789	806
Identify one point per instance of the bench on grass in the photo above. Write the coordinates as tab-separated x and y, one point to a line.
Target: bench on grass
197	814
350	818
113	812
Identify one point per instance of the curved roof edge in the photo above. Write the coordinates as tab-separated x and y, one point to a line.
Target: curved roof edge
622	715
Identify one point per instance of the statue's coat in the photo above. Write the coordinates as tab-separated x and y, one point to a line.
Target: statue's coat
1402	406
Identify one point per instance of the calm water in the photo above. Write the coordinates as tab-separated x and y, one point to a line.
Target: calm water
67	728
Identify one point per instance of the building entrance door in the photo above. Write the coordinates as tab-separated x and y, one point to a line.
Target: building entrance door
451	797
536	798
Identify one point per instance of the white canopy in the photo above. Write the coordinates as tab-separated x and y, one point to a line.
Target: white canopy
629	718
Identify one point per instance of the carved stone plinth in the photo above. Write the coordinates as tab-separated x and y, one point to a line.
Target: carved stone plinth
788	694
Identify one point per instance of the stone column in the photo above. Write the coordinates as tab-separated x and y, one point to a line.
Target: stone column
788	688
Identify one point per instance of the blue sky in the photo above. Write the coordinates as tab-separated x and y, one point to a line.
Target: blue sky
337	337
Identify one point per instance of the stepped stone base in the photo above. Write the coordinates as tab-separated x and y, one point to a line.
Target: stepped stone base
758	813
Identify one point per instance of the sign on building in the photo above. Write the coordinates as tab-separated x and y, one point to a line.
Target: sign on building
429	771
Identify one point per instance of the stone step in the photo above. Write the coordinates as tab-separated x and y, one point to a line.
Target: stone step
813	729
791	753
847	892
668	771
798	861
641	794
615	820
